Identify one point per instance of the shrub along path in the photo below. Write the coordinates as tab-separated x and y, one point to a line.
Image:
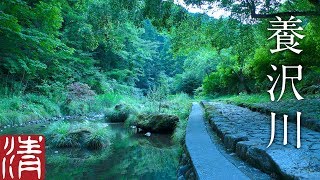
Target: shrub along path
247	133
208	162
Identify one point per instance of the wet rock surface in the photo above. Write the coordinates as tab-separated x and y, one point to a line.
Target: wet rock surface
247	133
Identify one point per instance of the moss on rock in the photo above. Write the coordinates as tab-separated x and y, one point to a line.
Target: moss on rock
120	113
158	123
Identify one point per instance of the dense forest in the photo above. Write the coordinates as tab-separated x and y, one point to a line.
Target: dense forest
48	45
65	54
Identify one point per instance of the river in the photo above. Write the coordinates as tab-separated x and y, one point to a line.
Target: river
129	156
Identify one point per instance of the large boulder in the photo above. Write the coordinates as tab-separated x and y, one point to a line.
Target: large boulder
157	123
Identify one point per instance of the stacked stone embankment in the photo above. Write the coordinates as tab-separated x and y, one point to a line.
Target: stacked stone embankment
247	133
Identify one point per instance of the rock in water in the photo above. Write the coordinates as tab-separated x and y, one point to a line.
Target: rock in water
119	113
159	123
148	134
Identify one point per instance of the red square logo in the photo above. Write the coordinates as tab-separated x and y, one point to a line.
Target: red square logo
22	157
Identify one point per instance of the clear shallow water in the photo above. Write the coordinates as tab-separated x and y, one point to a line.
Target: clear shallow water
130	156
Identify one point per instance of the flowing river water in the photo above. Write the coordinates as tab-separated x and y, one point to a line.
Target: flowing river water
129	156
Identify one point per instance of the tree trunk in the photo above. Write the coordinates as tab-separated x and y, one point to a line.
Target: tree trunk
243	82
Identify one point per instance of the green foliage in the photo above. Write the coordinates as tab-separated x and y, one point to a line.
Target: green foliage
120	113
99	138
219	82
93	136
187	82
158	95
59	135
19	109
80	91
236	56
197	66
180	105
103	101
47	46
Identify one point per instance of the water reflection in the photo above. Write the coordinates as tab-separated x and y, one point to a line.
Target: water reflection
130	156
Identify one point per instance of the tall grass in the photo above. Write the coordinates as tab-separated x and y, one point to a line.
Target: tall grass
108	100
59	135
180	106
18	109
255	98
91	135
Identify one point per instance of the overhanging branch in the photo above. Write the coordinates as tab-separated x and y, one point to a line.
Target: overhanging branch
252	7
296	13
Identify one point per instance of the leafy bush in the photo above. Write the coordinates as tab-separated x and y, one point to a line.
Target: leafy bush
19	109
49	106
199	92
158	95
76	108
80	91
223	81
79	96
179	105
187	83
120	113
53	90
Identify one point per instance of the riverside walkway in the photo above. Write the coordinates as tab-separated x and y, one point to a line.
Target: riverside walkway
247	134
208	162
